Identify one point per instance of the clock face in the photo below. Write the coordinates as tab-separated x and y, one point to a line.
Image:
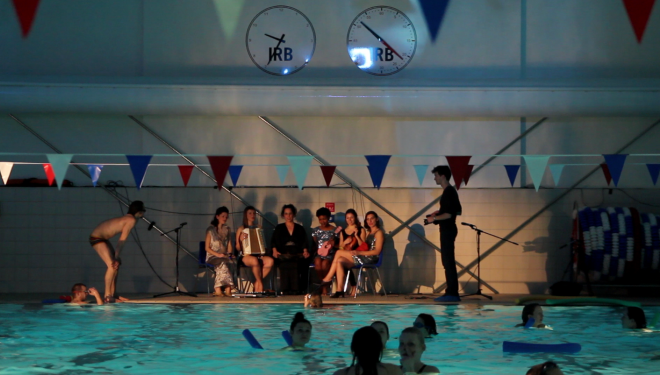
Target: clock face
381	40
280	40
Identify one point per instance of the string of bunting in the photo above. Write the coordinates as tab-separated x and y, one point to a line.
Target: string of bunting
58	164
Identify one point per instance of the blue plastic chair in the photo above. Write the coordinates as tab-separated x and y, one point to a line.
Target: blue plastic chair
201	262
368	267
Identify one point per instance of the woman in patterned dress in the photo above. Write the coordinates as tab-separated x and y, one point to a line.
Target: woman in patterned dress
220	252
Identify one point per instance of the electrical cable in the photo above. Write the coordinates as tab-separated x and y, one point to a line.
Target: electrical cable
637	200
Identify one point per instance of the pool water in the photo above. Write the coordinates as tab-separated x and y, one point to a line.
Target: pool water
206	339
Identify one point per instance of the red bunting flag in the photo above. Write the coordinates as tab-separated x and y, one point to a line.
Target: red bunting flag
328	171
468	173
26	10
639	12
459	167
606	172
220	166
185	171
50	174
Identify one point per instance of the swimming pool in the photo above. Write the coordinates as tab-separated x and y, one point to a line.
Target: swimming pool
206	339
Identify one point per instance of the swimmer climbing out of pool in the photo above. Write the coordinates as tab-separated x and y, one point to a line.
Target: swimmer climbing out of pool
301	332
411	347
80	292
100	241
535	311
633	318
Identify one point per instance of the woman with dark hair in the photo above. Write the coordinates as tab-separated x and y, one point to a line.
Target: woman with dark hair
634	318
532	311
260	265
367	351
347	259
325	238
383	330
289	245
301	332
220	253
426	324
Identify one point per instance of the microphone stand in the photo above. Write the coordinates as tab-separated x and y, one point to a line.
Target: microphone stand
479	231
176	290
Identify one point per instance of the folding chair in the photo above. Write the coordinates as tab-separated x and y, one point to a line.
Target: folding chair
368	267
201	262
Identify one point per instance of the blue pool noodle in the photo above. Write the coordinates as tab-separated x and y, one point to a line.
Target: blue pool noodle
287	337
523	347
251	340
530	323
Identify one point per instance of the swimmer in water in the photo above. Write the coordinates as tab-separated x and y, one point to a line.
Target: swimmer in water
633	318
80	292
426	324
411	347
547	368
313	300
301	333
533	310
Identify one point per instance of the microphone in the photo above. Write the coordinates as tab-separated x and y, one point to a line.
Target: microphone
151	225
182	224
467	224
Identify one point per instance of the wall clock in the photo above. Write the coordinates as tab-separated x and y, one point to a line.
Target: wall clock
381	40
280	40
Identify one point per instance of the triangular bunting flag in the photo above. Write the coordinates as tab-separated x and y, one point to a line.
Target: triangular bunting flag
434	12
536	166
234	173
555	170
654	170
185	171
639	12
615	164
606	173
60	164
5	171
94	172
328	171
228	12
512	172
468	173
26	10
139	165
282	171
376	167
458	166
300	167
220	166
50	175
421	172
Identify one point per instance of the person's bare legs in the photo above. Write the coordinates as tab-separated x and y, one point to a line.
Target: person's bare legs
107	254
267	263
322	266
342	265
342	259
253	263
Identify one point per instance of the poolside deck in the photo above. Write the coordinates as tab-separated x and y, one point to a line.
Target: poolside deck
394	299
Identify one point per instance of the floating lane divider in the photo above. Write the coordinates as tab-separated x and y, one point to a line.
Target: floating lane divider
541	297
251	340
287	337
598	301
524	347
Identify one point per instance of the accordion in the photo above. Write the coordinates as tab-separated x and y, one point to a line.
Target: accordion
254	243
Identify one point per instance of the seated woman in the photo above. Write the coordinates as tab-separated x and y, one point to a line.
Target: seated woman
347	259
325	238
301	332
633	318
220	253
260	265
289	245
411	347
533	310
367	349
426	324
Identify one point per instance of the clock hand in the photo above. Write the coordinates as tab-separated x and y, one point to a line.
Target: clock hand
281	40
278	39
381	40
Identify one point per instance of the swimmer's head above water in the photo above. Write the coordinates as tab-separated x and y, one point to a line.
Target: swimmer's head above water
383	330
533	310
300	330
634	318
426	324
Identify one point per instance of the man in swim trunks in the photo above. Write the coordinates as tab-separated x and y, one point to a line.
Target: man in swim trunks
99	239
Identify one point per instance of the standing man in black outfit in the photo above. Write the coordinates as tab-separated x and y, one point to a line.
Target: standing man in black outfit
450	207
